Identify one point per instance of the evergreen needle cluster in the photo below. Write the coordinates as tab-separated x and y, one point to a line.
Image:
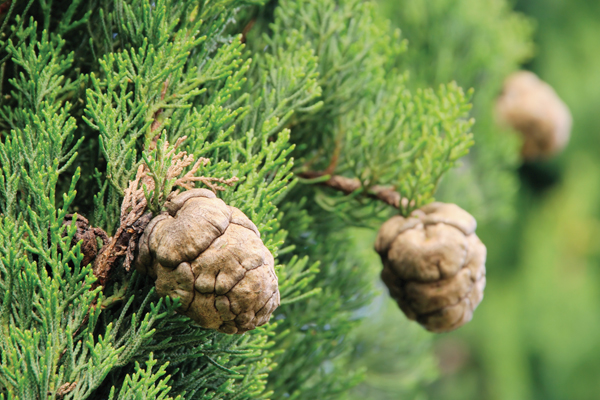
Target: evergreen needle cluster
266	92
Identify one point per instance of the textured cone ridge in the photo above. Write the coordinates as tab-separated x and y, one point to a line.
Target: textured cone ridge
434	265
210	255
532	107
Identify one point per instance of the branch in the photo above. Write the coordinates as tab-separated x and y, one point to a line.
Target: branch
157	122
387	194
247	29
134	220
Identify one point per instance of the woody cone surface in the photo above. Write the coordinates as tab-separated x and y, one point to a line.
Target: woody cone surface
532	107
434	265
210	255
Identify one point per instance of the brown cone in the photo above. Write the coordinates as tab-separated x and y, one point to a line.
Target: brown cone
533	108
210	255
433	265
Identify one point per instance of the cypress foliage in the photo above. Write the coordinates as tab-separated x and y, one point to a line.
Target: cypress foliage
478	44
284	96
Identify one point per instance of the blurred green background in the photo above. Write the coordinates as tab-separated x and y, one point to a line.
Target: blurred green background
536	335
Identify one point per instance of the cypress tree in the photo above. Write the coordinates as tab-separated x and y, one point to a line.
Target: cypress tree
299	113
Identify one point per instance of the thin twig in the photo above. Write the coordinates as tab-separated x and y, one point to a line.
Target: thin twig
386	194
133	222
247	29
65	389
157	123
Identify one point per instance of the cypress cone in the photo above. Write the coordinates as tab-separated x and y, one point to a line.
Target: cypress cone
433	265
210	255
533	108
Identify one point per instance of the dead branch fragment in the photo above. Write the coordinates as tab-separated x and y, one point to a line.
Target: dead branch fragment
181	160
187	180
133	223
88	235
65	389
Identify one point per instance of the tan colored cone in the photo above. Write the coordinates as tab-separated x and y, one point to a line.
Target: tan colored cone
210	255
434	265
532	107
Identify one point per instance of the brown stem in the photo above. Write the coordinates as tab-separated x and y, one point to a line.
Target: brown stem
64	389
157	123
4	7
334	158
88	235
387	194
123	243
247	29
